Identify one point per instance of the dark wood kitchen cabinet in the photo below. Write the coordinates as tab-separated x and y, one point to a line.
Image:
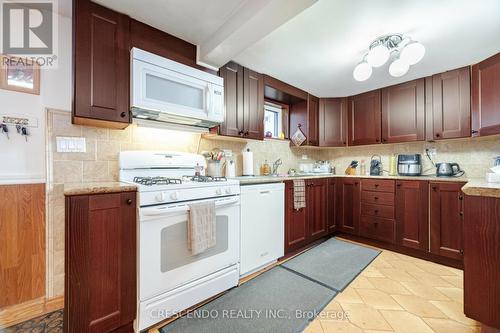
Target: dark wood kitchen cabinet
244	102
412	224
232	73
482	260
332	122
449	104
100	263
332	204
313	120
295	222
485	97
316	201
101	66
446	219
403	112
348	212
364	118
308	224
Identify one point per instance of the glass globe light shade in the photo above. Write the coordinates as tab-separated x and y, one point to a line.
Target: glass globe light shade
398	68
362	71
378	55
412	53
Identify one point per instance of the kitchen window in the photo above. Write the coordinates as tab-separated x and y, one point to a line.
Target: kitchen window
273	120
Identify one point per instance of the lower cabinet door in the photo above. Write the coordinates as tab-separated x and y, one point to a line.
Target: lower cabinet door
446	219
317	208
411	214
295	222
332	205
377	228
100	287
348	210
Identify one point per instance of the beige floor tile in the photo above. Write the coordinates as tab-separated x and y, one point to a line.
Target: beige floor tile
419	306
365	317
371	272
361	283
405	322
397	274
456	281
339	327
408	266
430	279
349	295
388	255
389	286
380	263
314	327
435	269
378	299
455	294
448	326
375	331
455	311
425	291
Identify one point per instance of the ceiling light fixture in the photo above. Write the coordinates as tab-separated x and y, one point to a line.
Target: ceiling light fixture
404	52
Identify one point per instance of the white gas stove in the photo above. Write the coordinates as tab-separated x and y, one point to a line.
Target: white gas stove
171	279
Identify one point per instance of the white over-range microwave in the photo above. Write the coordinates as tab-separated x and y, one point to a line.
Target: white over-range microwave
165	90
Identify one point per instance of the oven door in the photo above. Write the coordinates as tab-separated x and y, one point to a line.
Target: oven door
164	259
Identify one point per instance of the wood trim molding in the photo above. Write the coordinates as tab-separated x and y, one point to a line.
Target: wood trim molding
18	313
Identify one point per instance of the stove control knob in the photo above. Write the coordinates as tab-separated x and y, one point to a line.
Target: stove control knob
160	197
218	191
174	195
228	190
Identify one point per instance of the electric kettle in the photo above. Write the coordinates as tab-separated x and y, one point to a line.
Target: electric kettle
448	170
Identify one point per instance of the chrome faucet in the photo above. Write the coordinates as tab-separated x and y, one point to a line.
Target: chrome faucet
276	165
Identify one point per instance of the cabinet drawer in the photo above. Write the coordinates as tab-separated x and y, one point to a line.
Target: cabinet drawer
378	185
377	228
379	198
377	210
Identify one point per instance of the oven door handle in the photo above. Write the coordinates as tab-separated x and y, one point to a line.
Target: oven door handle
162	211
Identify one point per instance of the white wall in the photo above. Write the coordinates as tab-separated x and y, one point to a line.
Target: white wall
21	161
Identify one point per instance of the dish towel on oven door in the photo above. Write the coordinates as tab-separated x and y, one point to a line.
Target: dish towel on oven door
201	227
299	194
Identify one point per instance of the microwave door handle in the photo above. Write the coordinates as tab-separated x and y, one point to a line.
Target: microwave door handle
209	98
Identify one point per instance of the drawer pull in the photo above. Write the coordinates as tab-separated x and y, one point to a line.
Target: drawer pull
376	198
376	185
376	211
129	201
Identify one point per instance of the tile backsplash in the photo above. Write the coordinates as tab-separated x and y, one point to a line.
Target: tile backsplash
100	163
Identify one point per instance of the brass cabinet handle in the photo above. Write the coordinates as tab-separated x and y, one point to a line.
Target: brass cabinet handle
129	201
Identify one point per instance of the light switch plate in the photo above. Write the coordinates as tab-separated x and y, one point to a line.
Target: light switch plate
69	144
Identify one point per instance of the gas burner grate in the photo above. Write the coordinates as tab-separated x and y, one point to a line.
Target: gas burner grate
156	181
205	179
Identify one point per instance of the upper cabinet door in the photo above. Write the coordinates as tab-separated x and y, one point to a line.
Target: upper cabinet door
450	104
312	115
486	97
332	122
364	118
253	105
403	108
233	95
101	66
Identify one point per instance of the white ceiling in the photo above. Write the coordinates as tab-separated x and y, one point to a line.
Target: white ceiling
192	20
318	49
315	46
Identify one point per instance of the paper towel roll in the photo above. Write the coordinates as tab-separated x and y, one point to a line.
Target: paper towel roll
247	163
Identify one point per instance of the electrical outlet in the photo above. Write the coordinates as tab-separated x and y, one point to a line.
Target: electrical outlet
67	144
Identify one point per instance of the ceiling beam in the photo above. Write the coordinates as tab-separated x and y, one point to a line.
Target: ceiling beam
252	21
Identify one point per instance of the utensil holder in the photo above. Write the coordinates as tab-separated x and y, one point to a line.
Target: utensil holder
214	168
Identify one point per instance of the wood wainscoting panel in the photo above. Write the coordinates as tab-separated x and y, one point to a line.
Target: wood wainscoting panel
22	243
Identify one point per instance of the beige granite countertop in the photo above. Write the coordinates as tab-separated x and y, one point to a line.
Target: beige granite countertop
98	188
248	180
479	187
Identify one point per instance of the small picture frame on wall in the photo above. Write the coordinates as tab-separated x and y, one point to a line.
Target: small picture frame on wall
19	74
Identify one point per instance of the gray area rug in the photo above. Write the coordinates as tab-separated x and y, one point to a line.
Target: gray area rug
277	301
333	264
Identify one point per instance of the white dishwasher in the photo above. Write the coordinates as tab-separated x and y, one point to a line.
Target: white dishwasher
262	225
